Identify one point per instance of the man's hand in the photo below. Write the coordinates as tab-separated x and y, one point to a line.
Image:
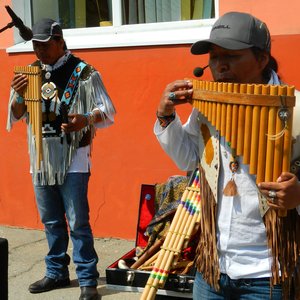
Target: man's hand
287	189
175	93
19	83
76	123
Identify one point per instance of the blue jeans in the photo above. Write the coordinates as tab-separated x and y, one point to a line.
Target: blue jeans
240	289
69	201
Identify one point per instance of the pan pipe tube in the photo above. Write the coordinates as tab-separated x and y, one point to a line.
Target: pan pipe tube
149	253
270	144
283	90
185	216
32	97
263	128
241	120
254	136
248	126
150	262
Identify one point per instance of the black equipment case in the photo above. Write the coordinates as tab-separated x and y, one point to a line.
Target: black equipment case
3	269
176	286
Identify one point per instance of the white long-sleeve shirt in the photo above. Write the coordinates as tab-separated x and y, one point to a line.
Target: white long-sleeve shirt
241	234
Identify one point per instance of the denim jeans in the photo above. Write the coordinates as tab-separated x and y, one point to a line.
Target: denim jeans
69	201
240	289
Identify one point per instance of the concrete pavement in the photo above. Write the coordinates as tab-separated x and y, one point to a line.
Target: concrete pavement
27	249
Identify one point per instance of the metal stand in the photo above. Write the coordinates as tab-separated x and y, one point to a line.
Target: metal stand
9	25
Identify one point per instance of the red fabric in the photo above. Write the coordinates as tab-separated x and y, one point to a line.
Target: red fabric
146	213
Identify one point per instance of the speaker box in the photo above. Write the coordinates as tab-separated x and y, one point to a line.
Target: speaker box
3	269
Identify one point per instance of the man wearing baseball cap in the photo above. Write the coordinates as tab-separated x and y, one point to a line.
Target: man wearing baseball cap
244	252
236	31
74	104
46	29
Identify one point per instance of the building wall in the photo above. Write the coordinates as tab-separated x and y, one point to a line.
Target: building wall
282	17
127	154
6	36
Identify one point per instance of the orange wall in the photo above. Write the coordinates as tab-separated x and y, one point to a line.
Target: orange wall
282	17
6	36
124	155
127	154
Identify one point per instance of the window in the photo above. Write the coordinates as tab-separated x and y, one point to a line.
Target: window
153	11
74	13
118	23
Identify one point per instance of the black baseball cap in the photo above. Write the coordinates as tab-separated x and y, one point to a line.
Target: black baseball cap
236	31
44	29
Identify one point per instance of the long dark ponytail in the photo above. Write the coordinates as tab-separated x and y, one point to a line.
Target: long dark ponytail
272	64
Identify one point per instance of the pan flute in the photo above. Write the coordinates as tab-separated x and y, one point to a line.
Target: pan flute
186	219
32	97
255	119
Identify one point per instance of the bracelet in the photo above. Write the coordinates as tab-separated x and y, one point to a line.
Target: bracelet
164	121
19	99
90	118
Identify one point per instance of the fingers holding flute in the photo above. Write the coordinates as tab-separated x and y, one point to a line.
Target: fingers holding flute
284	193
19	83
175	93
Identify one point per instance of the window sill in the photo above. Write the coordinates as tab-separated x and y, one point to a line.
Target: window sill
168	33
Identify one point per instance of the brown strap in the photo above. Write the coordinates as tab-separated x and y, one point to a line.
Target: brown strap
86	139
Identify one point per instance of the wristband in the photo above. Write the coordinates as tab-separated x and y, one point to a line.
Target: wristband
164	121
90	118
19	99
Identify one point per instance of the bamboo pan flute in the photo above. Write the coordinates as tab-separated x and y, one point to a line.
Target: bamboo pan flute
255	119
32	97
185	220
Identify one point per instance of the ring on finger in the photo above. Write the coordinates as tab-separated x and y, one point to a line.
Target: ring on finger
172	96
272	194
